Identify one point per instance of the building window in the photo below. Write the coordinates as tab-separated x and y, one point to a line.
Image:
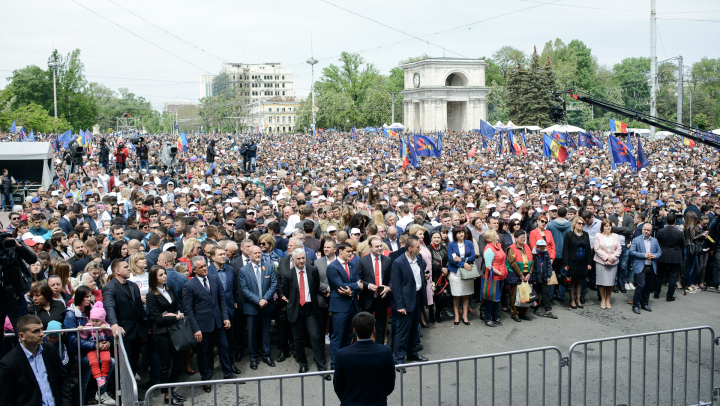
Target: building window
283	84
283	119
283	109
283	93
269	108
283	78
270	119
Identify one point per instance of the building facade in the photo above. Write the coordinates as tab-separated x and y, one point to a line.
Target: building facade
255	81
274	115
444	93
206	83
171	107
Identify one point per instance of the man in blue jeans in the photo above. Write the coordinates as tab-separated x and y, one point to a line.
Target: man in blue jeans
6	182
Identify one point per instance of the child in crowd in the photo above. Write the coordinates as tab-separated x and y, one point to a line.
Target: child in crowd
97	319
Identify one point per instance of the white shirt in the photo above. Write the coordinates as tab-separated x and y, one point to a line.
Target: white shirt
417	273
165	293
403	222
202	279
306	284
393	244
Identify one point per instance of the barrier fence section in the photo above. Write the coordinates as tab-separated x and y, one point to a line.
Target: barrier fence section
79	350
127	393
525	377
673	367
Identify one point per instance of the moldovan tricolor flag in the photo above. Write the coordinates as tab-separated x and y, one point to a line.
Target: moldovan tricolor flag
618	127
688	142
554	149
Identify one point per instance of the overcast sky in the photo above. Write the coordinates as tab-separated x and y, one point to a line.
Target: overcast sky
158	49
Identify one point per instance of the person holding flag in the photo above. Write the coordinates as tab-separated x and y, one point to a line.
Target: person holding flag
621	153
553	148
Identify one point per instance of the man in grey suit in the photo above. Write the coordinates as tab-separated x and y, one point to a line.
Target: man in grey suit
258	283
328	248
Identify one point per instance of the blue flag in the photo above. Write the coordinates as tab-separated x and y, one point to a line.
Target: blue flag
642	160
595	140
484	143
12	127
439	144
584	140
487	130
621	153
354	133
547	141
629	143
570	142
426	146
31	136
412	157
560	138
66	138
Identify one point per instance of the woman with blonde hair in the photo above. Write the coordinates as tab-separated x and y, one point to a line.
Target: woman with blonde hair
347	214
191	248
378	219
138	263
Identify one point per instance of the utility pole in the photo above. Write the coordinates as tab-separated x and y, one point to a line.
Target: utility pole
653	68
680	90
392	120
312	61
53	65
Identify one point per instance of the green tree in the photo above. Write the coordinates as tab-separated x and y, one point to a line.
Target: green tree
35	117
632	75
350	77
75	100
507	57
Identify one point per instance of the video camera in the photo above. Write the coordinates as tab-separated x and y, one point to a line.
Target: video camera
137	140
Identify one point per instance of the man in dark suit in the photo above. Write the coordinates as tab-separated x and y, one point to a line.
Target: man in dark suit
301	284
364	372
281	243
66	221
345	287
155	250
258	284
408	285
205	306
228	278
240	321
672	244
401	250
284	332
124	310
32	373
374	270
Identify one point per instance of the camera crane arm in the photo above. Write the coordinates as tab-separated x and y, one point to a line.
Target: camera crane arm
682	130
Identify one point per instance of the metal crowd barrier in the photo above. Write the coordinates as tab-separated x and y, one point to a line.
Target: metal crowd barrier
75	330
650	368
127	393
536	374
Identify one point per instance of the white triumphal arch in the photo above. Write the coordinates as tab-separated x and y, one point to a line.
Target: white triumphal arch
444	93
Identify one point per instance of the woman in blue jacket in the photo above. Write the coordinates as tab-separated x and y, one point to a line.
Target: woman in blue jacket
461	254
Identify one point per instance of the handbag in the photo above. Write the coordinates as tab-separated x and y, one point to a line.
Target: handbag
553	279
472	274
440	287
533	295
489	286
694	249
181	335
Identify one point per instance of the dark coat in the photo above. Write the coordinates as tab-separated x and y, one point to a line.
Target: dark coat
364	374
672	244
125	310
402	283
291	290
18	385
366	272
205	310
157	305
57	312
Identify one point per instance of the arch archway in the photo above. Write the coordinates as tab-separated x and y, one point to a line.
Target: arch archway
456	79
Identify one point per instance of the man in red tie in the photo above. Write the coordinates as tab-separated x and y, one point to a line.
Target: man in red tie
299	289
374	271
345	288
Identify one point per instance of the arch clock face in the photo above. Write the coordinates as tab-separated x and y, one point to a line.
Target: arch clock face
416	80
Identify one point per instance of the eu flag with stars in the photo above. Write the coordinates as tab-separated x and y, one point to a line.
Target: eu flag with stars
487	130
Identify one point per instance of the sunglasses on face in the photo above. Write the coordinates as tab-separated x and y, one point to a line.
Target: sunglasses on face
581	223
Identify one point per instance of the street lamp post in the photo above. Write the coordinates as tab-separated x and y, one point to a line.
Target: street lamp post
53	65
312	61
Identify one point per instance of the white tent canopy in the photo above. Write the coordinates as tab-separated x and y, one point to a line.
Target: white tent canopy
395	127
562	128
32	156
716	131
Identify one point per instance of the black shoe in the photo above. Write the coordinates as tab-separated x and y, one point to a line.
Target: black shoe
498	322
456	322
328	377
615	289
557	299
582	299
525	317
418	358
467	323
622	289
190	372
438	320
269	362
401	370
172	401
303	369
235	370
491	324
656	296
420	347
646	308
238	357
179	397
253	365
670	299
636	310
207	388
516	318
282	357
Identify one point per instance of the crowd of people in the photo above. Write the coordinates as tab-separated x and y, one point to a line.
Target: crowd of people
292	235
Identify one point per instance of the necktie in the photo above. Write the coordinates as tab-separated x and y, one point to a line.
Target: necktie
347	270
257	275
377	273
206	284
302	289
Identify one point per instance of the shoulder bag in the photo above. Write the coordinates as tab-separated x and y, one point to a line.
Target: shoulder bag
472	274
181	335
